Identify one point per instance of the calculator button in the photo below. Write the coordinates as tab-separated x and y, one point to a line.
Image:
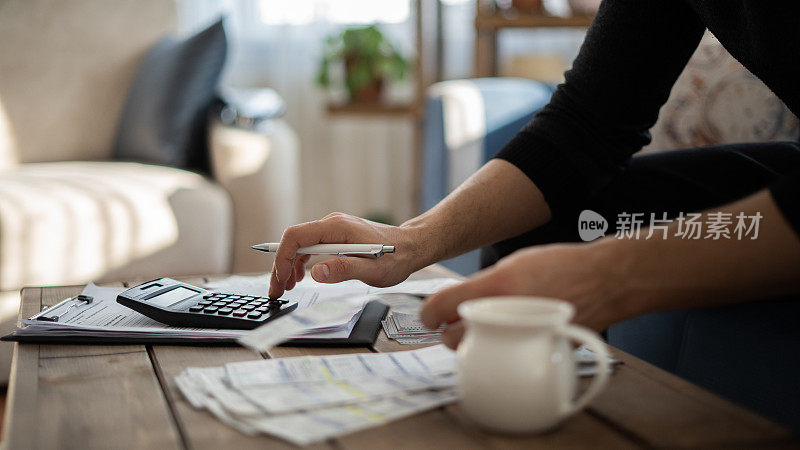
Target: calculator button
257	303
224	311
195	309
262	309
248	307
220	303
235	296
239	313
254	315
210	310
204	303
249	297
208	295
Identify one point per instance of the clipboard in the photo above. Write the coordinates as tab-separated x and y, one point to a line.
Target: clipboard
364	333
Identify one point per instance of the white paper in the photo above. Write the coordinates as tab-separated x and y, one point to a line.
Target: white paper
318	425
326	316
105	317
428	362
418	287
308	399
104	314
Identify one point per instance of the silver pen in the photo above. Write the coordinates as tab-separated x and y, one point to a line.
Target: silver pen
375	250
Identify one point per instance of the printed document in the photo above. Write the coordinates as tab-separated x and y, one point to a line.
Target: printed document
313	398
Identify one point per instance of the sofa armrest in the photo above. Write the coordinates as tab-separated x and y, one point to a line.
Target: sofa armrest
260	169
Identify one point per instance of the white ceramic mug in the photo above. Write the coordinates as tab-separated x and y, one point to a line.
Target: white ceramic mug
516	371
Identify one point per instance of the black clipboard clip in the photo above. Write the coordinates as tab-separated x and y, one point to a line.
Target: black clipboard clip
77	301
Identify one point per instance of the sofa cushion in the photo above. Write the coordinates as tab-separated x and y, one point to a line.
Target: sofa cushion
716	101
163	121
65	67
71	222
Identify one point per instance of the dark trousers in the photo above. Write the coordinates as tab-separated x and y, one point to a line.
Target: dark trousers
749	353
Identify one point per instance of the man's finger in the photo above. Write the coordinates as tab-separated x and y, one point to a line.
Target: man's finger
276	288
290	282
303	235
300	267
441	307
335	270
452	335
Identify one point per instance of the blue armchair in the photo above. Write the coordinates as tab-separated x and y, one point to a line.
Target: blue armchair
466	123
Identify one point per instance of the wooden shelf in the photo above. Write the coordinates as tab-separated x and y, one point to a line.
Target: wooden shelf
373	109
499	21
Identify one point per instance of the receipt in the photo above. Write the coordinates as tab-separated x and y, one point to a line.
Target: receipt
429	362
293	397
308	399
318	425
418	287
319	316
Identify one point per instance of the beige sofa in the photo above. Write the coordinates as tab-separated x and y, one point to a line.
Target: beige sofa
67	213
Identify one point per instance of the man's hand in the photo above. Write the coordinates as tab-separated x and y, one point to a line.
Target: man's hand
571	272
611	279
338	228
478	213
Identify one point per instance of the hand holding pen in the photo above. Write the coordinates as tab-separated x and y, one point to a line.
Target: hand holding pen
348	238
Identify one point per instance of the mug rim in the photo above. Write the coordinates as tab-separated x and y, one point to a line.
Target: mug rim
561	311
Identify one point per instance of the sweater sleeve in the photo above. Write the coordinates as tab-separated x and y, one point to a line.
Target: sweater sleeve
600	116
786	193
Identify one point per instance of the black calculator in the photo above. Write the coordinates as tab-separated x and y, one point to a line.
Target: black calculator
183	305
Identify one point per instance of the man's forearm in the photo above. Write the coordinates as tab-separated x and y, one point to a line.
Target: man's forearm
673	273
497	202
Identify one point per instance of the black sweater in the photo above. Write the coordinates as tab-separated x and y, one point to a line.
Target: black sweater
632	55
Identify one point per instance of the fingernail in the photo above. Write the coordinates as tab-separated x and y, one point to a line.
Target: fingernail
322	272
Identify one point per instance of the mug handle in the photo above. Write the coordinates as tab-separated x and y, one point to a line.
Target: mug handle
591	340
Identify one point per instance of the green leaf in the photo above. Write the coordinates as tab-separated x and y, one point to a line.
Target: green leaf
368	57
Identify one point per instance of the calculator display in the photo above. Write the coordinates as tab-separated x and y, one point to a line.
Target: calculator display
172	296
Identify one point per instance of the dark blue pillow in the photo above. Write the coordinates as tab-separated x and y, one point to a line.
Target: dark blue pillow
165	115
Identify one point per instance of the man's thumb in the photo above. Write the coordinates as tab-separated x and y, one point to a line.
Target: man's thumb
340	269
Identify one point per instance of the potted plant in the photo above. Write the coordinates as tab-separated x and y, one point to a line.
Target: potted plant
369	60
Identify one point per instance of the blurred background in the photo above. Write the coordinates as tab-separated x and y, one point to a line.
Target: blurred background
159	137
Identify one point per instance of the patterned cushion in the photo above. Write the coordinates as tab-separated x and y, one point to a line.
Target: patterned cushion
717	101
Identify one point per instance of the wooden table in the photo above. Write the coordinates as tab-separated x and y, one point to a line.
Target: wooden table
69	396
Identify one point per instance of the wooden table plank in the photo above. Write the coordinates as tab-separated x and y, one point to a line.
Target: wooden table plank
86	396
202	429
579	431
23	390
666	411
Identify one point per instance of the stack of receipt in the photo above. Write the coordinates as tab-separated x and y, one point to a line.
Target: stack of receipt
308	399
312	398
407	328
